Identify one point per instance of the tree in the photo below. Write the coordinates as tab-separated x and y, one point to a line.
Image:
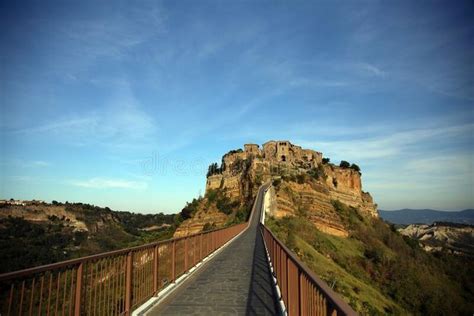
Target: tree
344	164
355	167
325	161
213	169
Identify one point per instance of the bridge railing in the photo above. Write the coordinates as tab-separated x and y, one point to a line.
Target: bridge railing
301	290
112	283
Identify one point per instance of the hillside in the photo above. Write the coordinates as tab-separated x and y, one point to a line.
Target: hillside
321	212
40	233
409	216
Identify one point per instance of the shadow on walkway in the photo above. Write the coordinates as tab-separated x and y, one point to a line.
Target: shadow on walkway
261	297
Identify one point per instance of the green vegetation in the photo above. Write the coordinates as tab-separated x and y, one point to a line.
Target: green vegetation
276	182
377	270
190	208
355	167
234	151
208	227
213	169
344	164
241	215
25	244
317	173
223	203
325	161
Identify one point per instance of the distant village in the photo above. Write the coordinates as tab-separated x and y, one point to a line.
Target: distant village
21	202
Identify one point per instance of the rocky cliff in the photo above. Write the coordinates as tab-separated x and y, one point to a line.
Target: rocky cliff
304	184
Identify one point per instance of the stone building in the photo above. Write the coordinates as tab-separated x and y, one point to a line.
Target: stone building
284	151
252	149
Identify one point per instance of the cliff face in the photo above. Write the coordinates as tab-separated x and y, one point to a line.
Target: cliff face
43	214
345	185
304	185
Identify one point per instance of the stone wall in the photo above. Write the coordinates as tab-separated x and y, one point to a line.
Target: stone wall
214	182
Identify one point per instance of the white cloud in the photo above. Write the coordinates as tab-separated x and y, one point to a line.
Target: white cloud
121	123
371	69
389	145
317	82
18	163
107	183
40	163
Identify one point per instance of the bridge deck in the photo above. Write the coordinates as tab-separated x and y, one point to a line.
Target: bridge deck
237	281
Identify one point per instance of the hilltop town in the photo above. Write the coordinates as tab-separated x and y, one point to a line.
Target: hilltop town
303	181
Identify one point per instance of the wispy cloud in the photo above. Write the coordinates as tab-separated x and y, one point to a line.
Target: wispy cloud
19	163
121	123
113	37
389	145
107	183
371	69
317	82
59	126
40	163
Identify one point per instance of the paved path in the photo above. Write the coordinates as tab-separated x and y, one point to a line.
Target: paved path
236	281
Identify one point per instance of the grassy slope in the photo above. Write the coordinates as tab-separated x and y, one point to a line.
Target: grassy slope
377	271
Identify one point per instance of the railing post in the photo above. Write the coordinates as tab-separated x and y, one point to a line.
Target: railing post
302	302
200	247
287	285
155	270
128	284
77	303
213	241
185	254
193	251
331	310
173	260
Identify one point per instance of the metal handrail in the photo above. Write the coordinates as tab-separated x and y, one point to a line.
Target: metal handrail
302	291
52	266
112	283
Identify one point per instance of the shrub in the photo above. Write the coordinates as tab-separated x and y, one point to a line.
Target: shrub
208	227
213	169
211	195
355	167
301	178
344	164
189	209
225	205
317	173
326	161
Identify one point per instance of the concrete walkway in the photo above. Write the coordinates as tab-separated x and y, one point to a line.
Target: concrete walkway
237	281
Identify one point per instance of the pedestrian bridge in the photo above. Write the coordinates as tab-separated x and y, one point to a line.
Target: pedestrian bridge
239	270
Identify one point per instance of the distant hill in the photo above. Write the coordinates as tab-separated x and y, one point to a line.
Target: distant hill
409	216
454	238
35	233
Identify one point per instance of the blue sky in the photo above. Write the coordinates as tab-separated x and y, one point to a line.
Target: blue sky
124	104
